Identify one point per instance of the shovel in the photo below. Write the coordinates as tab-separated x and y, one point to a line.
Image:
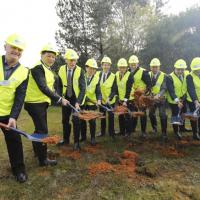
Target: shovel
192	115
177	120
36	137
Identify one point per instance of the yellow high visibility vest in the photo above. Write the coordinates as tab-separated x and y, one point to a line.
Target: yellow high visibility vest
8	87
76	75
180	87
33	93
196	81
156	88
121	84
91	88
106	88
138	82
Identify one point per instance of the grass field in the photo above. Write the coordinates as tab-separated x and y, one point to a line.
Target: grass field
164	172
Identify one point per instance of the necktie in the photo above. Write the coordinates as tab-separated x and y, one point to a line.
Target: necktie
104	77
69	83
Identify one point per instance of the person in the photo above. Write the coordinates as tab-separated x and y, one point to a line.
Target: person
108	90
13	84
142	81
193	95
124	84
93	98
39	94
159	88
177	89
73	86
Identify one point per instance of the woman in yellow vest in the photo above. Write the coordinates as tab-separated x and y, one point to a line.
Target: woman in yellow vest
39	94
177	89
193	95
108	90
93	98
159	88
13	84
141	80
124	82
73	85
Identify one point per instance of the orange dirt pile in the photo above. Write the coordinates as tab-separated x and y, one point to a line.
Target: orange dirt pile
172	153
89	115
91	149
119	110
74	155
51	139
127	165
145	101
137	93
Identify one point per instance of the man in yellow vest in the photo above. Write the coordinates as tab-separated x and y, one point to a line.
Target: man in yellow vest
193	94
141	80
108	90
39	94
159	88
73	85
124	82
93	98
177	89
13	84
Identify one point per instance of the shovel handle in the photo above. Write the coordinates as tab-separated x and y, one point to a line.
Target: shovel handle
70	105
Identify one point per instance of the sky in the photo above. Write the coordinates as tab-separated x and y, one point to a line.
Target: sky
37	22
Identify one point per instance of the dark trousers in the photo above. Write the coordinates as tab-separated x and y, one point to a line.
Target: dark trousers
66	114
38	113
134	120
15	149
92	124
162	114
125	124
175	111
194	124
110	122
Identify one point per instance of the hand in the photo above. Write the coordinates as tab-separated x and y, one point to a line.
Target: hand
12	123
124	103
64	102
98	102
180	104
77	106
157	97
197	104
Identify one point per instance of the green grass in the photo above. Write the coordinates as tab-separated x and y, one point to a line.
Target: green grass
178	178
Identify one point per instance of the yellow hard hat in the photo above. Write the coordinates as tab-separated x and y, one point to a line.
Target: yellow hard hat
71	55
155	62
106	60
49	47
133	60
91	63
195	64
122	63
180	64
16	41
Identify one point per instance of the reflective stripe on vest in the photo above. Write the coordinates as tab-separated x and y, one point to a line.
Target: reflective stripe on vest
156	88
196	81
106	88
91	89
8	87
138	82
121	84
33	93
180	87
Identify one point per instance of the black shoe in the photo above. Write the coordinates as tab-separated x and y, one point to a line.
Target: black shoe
21	177
63	143
93	142
76	147
48	162
196	136
101	134
178	135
